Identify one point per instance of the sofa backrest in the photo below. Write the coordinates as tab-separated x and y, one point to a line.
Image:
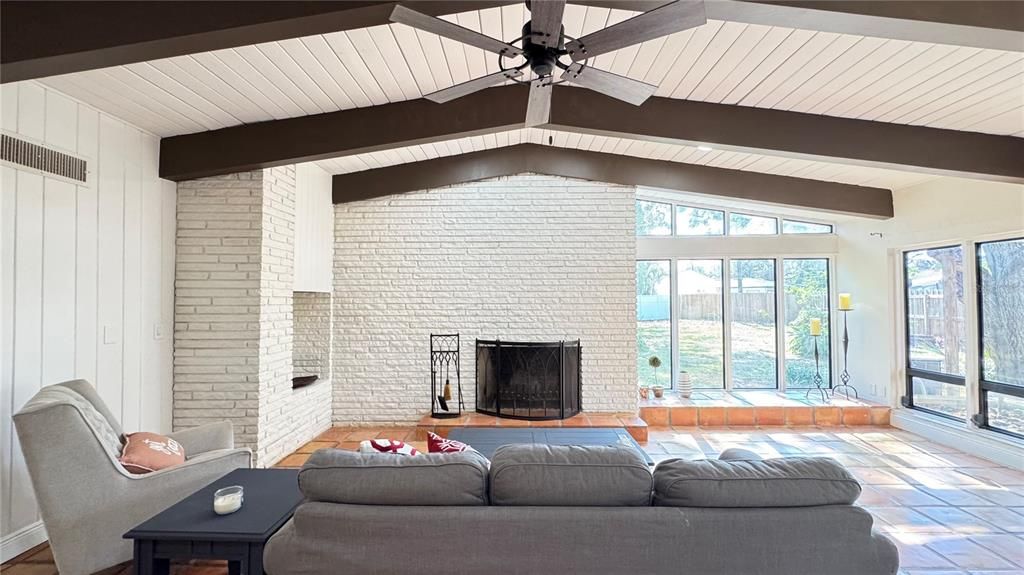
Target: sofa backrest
339	476
546	475
787	482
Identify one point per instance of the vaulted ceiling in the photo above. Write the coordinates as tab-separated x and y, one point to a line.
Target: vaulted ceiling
954	67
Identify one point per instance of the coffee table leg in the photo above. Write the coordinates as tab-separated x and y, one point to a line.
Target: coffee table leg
145	563
234	568
255	559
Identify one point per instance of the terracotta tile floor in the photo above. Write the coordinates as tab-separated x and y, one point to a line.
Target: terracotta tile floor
949	512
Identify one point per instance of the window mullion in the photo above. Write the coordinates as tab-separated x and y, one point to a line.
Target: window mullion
727	319
673	316
972	370
780	326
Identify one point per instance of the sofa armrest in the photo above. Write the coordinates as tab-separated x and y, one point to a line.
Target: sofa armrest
209	437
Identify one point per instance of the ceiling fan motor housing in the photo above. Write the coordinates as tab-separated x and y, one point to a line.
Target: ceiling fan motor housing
541	58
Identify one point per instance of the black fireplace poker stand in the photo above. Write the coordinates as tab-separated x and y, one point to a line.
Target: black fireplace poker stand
444	360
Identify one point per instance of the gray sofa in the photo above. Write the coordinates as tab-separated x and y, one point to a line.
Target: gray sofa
539	509
71	442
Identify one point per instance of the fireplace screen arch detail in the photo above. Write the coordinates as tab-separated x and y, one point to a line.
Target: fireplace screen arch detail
528	380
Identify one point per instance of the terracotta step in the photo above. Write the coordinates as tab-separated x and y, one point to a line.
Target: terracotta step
762	416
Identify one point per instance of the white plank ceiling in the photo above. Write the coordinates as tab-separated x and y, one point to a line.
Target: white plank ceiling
845	75
831	172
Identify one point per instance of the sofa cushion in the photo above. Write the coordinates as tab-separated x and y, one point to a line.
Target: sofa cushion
787	482
569	476
339	476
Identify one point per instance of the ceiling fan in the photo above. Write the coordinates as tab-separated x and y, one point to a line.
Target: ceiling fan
544	44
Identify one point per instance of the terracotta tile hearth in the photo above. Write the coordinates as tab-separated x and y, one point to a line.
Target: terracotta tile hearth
636	426
759	408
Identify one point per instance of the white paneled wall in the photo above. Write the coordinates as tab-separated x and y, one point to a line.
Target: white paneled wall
86	279
314	229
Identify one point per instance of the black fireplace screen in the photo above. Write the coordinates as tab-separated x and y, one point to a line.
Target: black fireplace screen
528	380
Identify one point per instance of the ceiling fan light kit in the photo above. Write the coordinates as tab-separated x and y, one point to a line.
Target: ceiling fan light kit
544	45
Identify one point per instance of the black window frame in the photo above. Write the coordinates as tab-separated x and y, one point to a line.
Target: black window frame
911	372
981	419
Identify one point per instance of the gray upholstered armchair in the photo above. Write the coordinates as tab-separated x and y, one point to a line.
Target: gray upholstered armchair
71	443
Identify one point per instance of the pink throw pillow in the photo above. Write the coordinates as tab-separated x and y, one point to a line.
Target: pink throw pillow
146	452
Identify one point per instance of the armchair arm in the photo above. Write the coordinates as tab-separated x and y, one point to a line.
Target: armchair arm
216	462
209	437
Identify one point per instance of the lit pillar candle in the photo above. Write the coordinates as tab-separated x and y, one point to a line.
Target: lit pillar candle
815	326
845	302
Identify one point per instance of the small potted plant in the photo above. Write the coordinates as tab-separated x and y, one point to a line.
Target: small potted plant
659	391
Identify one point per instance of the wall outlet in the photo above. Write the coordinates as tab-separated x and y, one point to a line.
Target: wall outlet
159	332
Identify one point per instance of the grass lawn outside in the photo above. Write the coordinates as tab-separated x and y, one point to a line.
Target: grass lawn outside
701	351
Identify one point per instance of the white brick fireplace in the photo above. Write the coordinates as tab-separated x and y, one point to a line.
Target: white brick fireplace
529	258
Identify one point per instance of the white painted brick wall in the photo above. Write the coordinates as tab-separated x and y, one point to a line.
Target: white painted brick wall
217	303
528	257
233	322
311	353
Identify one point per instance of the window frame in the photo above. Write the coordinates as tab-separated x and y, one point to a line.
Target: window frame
782	227
911	372
977	402
727	213
981	418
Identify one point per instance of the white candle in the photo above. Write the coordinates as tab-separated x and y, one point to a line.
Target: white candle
845	302
815	326
227	502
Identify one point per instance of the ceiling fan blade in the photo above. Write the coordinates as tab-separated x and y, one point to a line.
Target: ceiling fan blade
662	21
538	106
620	87
474	85
546	21
421	21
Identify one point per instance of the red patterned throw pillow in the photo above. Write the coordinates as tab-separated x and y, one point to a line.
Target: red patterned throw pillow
387	446
438	444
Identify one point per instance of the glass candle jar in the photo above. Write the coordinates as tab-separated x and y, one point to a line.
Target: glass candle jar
228	500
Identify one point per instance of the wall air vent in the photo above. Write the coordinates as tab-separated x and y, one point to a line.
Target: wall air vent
43	159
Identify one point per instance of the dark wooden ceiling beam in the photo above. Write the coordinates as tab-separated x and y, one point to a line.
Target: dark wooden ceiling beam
39	39
776	132
344	133
792	134
993	24
48	38
614	169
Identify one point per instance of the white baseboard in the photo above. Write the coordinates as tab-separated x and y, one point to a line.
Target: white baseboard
21	541
978	442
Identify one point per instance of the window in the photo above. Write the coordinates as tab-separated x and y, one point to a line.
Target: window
653	322
746	225
806	284
1000	273
653	218
700	330
795	227
936	357
699	222
753	320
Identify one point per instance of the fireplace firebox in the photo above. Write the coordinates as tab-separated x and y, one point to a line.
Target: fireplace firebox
528	380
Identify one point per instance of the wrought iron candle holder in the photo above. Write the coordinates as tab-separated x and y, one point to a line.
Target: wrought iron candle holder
845	376
444	358
818	380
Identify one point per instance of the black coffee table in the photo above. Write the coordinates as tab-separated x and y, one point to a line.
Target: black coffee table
190	529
